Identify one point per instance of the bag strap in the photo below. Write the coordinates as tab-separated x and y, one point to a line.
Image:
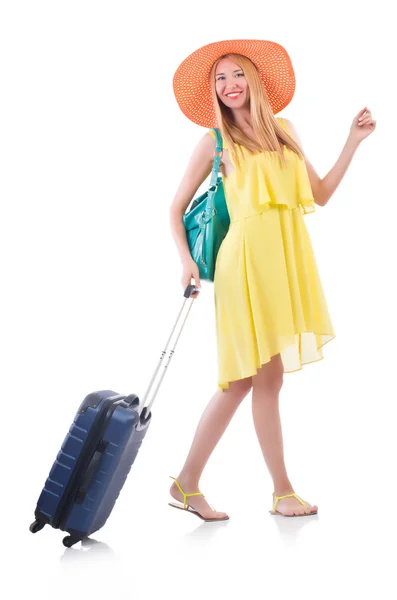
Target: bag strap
217	158
218	140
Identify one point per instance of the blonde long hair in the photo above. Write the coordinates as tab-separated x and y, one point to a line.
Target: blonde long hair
268	132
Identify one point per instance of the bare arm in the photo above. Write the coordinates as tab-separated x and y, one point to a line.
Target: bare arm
324	188
197	171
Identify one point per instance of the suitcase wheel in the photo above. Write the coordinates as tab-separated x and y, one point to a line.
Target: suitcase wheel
36	526
69	541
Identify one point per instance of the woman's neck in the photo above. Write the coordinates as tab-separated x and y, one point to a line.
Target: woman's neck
242	118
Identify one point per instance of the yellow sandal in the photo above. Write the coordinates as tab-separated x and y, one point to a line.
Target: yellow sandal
276	512
189	508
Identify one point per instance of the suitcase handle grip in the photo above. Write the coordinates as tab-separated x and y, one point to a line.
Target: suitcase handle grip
91	469
191	289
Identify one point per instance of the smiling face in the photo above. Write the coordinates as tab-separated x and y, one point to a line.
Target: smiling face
230	84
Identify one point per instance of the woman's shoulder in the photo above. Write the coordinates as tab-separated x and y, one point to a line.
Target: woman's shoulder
283	122
289	128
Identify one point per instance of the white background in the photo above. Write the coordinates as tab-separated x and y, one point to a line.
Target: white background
93	146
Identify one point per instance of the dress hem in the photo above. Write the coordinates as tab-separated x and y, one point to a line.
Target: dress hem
227	384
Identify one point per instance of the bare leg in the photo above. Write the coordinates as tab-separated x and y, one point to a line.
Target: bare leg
210	429
266	386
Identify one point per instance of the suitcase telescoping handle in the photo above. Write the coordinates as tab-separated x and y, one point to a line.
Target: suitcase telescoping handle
144	409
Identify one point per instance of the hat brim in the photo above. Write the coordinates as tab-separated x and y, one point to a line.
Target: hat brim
191	79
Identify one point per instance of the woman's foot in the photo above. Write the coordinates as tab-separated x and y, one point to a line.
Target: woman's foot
291	506
198	503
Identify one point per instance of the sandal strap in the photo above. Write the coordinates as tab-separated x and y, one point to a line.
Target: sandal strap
184	494
277	498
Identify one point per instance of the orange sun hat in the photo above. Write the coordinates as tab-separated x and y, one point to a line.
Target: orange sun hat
191	79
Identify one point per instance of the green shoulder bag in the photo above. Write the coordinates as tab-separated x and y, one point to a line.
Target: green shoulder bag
207	221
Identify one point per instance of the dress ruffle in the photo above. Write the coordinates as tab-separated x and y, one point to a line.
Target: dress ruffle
305	197
262	181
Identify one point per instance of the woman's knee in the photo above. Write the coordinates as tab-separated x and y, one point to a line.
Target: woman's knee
270	375
239	389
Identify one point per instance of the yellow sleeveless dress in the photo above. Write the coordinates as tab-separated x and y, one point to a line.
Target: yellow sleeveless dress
267	290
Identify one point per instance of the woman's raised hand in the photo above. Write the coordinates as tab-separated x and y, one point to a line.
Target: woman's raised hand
363	125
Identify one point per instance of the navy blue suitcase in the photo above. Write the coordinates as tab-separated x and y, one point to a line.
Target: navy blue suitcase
97	455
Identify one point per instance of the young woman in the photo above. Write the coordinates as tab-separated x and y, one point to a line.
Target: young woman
271	312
